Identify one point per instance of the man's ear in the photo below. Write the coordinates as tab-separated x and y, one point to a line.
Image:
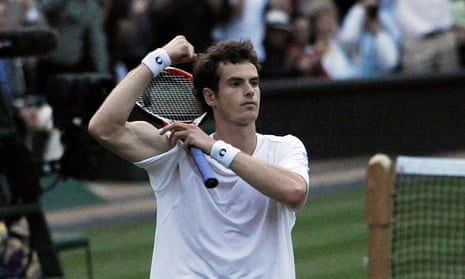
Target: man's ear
209	96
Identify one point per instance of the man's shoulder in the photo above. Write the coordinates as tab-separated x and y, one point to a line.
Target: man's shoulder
278	139
284	140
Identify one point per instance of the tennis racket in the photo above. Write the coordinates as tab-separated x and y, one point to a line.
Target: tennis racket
169	98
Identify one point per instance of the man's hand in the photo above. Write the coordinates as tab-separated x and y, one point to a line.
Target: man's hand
190	134
180	50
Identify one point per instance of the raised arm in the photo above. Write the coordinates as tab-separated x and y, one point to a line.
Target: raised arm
136	140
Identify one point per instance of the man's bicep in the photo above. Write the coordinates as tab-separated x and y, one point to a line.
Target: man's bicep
139	141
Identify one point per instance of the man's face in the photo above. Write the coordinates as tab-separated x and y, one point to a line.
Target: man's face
238	98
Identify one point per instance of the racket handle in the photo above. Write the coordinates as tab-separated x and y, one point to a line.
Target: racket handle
208	177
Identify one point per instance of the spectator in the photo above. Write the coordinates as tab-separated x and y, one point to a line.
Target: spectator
27	14
246	14
16	159
365	37
82	47
305	60
334	59
195	19
33	116
129	31
277	38
428	43
247	22
82	43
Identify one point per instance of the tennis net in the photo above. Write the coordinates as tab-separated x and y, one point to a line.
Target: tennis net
427	226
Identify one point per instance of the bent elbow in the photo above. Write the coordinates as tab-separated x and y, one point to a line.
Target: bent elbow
94	129
98	130
297	196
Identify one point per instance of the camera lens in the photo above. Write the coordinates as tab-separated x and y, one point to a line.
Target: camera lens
372	11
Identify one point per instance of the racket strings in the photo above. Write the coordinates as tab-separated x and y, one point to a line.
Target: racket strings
170	96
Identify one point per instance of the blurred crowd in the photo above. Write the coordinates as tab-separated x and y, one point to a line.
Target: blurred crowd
315	39
319	39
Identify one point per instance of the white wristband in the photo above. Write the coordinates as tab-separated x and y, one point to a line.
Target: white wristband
224	153
157	60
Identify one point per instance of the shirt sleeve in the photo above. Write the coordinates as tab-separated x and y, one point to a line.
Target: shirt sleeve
161	168
295	158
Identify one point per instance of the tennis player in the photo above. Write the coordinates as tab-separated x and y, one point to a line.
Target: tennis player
242	228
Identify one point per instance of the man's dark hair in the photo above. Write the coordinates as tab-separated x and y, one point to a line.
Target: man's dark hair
206	67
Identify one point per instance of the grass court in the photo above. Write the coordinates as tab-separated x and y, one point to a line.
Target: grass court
329	242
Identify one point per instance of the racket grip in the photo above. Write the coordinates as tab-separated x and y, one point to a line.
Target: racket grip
208	177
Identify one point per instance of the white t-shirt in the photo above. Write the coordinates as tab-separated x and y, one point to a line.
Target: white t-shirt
231	231
417	18
336	62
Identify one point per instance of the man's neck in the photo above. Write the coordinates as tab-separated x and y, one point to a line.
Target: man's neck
243	138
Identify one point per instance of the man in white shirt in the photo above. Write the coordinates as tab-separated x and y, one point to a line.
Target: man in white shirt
242	228
365	34
428	44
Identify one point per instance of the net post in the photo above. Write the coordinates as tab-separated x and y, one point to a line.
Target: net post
380	177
